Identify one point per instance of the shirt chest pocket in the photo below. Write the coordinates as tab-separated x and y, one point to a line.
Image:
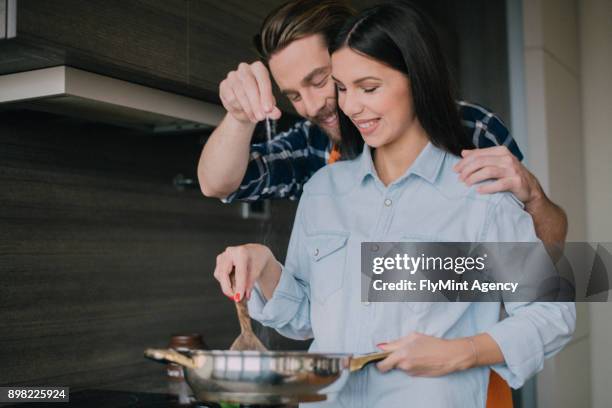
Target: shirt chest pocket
327	254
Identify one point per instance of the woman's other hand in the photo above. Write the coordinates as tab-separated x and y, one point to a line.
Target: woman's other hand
250	263
427	356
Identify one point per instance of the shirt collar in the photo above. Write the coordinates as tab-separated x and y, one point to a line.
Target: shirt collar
366	164
427	165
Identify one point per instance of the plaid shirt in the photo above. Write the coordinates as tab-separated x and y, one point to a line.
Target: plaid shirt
279	168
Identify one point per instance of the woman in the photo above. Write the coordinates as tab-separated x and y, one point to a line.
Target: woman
394	93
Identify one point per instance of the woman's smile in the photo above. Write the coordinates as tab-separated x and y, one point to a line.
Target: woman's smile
367	126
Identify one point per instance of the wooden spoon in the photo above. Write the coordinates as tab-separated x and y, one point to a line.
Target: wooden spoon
246	340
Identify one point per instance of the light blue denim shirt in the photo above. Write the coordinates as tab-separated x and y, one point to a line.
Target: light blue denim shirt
318	294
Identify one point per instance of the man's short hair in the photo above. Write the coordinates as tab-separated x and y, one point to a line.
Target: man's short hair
298	19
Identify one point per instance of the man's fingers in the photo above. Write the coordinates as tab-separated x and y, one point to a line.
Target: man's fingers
251	89
262	77
494	151
276	114
467	152
228	99
485	173
245	104
247	93
474	163
485	151
225	93
500	185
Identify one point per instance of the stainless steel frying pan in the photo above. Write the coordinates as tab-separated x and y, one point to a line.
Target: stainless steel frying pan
269	377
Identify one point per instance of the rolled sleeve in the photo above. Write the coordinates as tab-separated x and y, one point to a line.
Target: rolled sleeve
533	331
288	309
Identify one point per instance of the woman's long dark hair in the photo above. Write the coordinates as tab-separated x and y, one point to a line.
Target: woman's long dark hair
401	36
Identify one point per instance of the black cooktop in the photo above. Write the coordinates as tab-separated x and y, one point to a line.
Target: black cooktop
117	399
121	399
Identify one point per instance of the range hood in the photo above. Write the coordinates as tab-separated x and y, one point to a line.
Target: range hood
73	92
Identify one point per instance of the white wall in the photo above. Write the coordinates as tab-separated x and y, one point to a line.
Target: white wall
553	105
595	23
555	155
568	77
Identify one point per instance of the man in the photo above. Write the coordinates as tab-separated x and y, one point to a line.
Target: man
293	45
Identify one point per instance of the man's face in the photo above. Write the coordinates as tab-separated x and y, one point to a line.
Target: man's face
302	71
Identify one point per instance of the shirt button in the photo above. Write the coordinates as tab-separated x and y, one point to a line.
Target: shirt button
375	248
388	202
316	252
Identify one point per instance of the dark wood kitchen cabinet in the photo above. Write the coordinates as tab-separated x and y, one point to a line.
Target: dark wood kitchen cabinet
185	46
101	256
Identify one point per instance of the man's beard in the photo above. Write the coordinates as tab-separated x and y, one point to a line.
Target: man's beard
331	130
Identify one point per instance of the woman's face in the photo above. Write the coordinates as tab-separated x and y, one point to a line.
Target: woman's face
374	96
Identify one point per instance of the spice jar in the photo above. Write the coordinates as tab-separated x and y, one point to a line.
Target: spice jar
177	384
183	343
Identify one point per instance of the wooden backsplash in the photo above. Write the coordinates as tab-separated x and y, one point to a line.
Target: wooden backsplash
101	256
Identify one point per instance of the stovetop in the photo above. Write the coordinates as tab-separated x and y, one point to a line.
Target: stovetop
124	399
120	399
150	387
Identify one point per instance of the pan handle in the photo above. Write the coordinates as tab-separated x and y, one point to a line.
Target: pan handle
357	363
172	356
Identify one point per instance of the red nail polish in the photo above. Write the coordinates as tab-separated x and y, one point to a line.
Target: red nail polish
237	297
379	345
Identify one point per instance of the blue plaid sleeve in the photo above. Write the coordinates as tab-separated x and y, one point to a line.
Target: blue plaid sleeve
486	128
279	168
